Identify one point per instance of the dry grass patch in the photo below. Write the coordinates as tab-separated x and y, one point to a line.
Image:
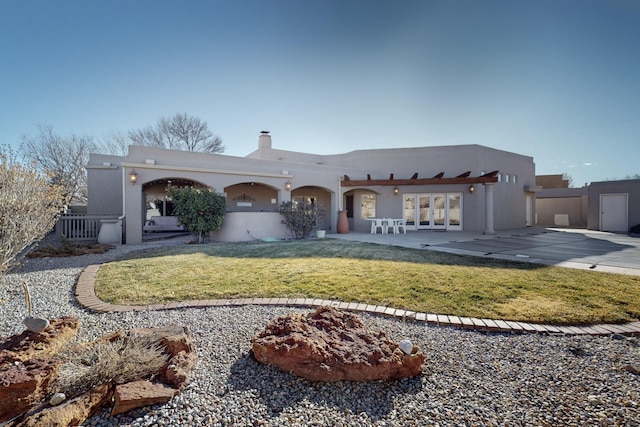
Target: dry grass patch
116	362
411	279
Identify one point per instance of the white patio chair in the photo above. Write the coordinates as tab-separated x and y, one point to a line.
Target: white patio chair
390	225
378	223
398	224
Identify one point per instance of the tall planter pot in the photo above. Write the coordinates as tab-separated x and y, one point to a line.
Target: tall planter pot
343	222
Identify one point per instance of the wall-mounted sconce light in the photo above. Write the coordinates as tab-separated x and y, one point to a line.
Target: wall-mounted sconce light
472	188
133	177
287	185
395	190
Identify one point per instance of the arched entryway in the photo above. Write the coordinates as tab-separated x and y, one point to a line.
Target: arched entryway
158	206
319	195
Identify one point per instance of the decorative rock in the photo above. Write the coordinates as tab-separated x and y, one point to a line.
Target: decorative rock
26	372
71	413
23	386
174	338
138	394
406	346
57	399
25	380
29	345
36	324
333	345
179	369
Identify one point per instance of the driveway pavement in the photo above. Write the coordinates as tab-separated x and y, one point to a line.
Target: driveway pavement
574	248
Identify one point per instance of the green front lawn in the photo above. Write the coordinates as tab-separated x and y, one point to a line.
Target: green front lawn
411	279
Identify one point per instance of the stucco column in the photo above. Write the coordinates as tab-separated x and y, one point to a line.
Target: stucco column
488	208
134	213
284	195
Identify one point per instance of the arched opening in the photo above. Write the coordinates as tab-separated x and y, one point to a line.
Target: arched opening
158	206
313	194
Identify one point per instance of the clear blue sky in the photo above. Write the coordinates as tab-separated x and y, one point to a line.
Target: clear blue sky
558	80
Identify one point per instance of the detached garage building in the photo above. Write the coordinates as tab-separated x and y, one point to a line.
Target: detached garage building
605	206
614	205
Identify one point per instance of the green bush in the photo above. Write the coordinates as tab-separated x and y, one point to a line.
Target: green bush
301	217
200	210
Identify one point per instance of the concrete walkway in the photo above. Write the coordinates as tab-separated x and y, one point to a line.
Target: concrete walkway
572	248
582	249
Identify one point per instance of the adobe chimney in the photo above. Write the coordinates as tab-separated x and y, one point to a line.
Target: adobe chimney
264	140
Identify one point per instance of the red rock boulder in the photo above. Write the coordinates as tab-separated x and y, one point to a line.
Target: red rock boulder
333	345
27	371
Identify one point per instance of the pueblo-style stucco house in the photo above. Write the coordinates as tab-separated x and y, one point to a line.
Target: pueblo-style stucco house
464	187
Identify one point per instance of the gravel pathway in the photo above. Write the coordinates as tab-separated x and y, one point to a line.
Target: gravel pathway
470	378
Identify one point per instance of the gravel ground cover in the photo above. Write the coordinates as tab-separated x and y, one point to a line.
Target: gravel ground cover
469	377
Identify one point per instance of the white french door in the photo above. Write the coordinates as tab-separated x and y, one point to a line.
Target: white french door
433	211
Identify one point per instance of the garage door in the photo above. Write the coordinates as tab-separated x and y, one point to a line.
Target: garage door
614	212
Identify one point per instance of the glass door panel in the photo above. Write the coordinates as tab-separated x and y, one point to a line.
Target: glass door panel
409	209
453	211
424	203
439	211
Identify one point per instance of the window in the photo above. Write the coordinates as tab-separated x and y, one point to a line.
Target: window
499	177
506	178
514	179
368	206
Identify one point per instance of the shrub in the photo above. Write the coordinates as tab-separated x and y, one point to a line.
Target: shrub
301	217
29	207
200	210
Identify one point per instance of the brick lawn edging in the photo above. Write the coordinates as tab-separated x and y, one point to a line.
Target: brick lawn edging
85	295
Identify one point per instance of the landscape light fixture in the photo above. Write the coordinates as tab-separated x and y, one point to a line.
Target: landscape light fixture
133	177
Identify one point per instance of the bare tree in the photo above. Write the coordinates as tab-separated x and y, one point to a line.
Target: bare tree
180	132
29	207
115	143
195	134
63	158
156	136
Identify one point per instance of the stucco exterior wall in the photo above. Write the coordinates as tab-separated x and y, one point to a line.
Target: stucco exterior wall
270	170
573	207
249	226
104	185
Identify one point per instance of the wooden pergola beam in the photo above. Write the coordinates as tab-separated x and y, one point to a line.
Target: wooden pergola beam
438	179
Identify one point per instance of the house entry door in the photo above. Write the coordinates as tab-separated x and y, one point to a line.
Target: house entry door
439	211
528	209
